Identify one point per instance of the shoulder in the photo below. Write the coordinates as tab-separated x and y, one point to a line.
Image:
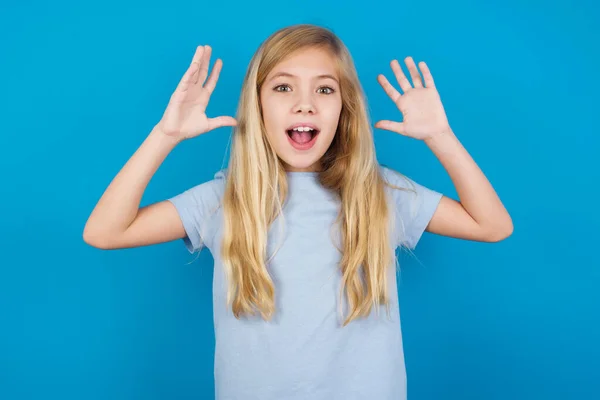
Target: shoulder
414	205
214	187
404	187
205	196
198	208
396	180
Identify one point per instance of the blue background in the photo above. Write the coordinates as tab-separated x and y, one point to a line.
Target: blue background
82	85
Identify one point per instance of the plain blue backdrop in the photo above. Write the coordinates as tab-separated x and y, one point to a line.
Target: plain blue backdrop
83	84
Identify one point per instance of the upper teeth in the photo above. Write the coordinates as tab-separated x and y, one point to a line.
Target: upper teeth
303	129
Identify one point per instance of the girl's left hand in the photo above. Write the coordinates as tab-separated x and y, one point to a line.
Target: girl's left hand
420	104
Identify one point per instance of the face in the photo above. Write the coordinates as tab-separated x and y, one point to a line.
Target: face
301	105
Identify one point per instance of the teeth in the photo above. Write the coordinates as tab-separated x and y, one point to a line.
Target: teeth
303	129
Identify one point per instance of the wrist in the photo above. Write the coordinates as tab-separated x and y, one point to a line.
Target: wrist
166	138
443	136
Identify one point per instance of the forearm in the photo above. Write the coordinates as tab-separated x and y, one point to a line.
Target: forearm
119	204
476	194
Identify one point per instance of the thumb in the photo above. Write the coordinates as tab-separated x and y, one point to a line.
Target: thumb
218	122
397	127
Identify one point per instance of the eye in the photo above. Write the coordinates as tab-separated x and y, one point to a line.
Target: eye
276	88
328	88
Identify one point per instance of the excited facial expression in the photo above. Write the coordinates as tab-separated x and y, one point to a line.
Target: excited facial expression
301	105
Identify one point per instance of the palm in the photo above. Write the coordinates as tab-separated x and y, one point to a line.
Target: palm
421	107
185	116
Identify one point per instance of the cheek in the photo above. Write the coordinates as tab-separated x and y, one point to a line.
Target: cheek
272	115
333	112
267	111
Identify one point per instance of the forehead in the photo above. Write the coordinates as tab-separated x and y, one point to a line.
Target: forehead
307	63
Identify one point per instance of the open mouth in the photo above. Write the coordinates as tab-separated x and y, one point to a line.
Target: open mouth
303	138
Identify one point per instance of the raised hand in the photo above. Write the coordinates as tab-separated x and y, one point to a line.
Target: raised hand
185	116
420	104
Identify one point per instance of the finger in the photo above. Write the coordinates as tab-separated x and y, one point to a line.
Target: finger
218	122
198	55
188	78
393	126
400	77
204	63
197	60
214	76
388	88
427	75
414	72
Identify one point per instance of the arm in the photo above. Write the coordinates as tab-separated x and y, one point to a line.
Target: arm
117	221
479	215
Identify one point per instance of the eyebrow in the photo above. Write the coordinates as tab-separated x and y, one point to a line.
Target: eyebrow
287	74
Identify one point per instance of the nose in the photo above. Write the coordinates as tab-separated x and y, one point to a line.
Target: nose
305	104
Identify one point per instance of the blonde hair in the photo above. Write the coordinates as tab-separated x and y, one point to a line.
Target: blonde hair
256	187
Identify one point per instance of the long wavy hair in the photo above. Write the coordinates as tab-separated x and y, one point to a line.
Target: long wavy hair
256	187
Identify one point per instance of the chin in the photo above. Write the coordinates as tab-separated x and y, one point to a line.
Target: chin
293	164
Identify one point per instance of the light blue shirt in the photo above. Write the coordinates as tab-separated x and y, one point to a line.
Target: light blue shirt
304	352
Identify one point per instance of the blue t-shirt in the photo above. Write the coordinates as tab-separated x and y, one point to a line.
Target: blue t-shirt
304	352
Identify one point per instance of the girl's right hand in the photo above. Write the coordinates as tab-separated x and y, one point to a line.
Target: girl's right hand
185	116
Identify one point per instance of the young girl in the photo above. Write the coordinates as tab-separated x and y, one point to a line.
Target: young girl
304	223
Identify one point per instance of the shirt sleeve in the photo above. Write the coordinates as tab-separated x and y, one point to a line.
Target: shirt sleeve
197	208
413	207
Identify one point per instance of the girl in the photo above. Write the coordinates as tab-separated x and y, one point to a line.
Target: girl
303	213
